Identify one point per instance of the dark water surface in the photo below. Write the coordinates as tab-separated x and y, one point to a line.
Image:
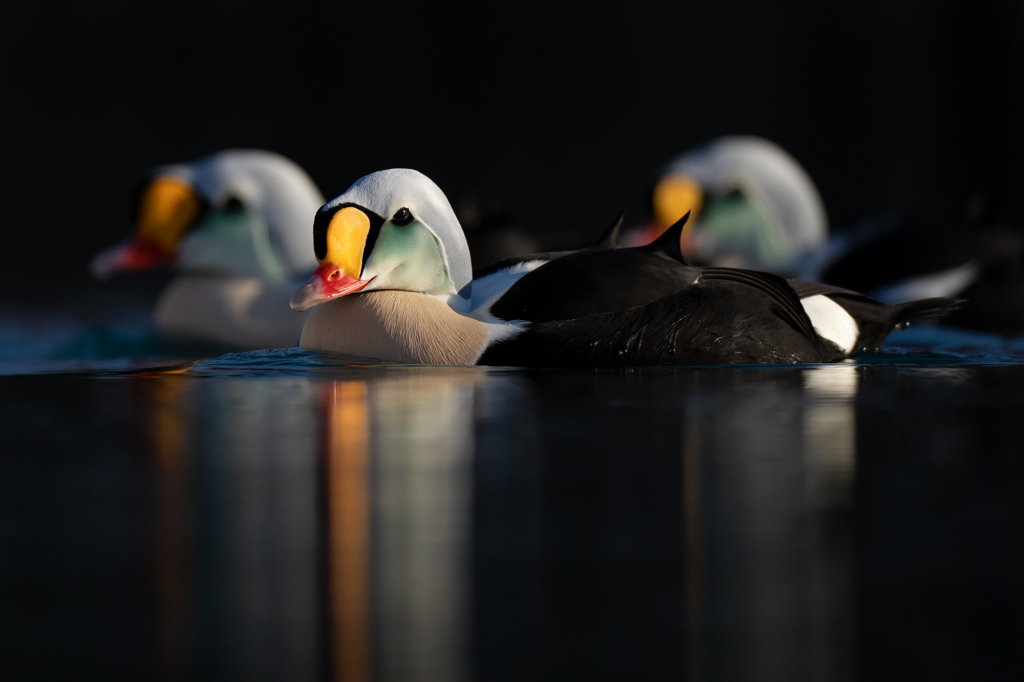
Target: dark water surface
283	515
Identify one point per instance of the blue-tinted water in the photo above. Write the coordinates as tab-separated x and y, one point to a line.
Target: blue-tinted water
47	343
177	512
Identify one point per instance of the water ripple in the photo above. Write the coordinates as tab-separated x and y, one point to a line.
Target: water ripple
59	344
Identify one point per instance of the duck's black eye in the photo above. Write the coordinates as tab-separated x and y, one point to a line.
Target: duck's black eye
402	217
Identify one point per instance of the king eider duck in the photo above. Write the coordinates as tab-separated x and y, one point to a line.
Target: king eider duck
236	226
751	205
978	256
394	284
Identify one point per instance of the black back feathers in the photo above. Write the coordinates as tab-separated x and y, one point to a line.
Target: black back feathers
595	280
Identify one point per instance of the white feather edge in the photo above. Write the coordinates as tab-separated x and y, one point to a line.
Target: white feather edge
832	322
943	283
485	292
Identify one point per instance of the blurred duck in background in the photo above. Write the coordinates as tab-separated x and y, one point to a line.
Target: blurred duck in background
757	208
979	256
752	206
235	225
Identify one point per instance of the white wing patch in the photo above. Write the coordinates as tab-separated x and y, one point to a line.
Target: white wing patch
832	322
489	288
484	292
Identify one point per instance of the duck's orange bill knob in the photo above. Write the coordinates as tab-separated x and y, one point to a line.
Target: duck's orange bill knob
128	256
329	281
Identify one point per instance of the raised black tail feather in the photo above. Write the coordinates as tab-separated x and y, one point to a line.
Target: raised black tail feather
610	238
668	242
925	308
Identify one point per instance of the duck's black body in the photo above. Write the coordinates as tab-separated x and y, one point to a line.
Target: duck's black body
647	306
704	324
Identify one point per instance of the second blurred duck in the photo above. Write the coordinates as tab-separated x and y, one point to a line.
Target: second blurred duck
753	205
978	256
235	225
757	208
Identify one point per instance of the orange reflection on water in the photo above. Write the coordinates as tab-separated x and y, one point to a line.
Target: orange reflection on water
170	426
348	528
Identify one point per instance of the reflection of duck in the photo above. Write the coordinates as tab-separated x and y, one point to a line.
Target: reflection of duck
236	224
398	452
393	239
754	205
980	259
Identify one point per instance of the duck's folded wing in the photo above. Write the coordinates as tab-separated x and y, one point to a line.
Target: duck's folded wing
787	300
712	323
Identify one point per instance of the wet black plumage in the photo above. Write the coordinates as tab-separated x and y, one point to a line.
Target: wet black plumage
719	323
599	279
589	282
647	306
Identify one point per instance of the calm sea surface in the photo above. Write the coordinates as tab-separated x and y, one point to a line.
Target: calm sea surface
293	516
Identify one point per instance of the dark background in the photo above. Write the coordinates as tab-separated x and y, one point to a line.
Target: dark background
558	116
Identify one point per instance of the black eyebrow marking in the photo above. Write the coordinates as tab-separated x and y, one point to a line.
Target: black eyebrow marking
323	220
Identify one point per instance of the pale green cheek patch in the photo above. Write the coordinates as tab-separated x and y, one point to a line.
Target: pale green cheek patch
411	258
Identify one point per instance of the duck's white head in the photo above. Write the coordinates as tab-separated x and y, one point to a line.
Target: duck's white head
392	229
243	212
